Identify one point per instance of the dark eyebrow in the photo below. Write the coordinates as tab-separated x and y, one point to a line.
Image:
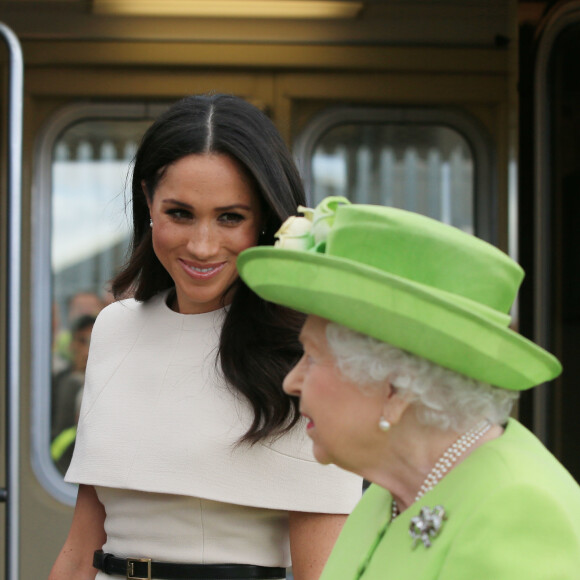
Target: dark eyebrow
217	209
176	202
234	206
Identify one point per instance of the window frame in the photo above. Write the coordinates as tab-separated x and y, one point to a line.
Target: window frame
485	202
41	276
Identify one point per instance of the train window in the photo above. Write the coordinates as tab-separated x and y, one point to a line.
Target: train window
416	167
420	160
81	237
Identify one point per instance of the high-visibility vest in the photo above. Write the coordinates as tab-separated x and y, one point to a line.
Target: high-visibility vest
62	442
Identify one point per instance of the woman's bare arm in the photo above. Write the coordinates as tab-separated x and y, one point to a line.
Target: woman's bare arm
87	534
312	537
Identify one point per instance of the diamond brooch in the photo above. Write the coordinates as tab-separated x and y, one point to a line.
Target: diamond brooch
427	525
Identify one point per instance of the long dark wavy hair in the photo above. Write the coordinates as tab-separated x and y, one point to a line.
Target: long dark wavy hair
259	340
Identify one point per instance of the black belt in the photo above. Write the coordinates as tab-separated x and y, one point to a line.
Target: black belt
146	569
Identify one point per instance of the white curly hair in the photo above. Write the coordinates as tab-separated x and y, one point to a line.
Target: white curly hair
442	398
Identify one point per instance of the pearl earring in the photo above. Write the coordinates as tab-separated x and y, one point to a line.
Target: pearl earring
384	425
150	223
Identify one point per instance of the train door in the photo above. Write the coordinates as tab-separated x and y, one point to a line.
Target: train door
551	168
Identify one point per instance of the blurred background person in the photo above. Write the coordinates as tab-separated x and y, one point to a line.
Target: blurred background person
85	303
63	445
68	382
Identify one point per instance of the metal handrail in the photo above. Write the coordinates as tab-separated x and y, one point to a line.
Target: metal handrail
11	494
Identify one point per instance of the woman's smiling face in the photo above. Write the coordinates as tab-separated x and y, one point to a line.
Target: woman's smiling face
205	212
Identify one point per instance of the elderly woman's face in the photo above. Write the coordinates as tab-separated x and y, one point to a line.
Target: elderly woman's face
342	420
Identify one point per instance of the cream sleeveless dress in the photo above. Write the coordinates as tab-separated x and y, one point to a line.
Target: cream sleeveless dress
157	438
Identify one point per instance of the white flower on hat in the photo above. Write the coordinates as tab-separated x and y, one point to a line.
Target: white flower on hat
305	233
294	233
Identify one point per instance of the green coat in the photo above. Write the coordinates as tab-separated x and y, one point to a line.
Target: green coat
513	513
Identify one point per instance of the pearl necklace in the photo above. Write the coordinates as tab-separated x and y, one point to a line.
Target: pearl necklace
446	461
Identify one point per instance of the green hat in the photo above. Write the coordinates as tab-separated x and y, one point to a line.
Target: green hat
405	279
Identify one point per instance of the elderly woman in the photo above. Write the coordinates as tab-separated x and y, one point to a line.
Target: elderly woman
408	378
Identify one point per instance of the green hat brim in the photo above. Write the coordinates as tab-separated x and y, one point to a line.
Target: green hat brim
408	315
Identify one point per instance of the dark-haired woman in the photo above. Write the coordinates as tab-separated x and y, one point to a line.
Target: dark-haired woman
189	461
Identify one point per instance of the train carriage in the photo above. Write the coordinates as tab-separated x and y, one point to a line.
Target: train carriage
466	111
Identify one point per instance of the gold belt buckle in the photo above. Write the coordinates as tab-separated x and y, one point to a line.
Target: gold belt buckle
131	568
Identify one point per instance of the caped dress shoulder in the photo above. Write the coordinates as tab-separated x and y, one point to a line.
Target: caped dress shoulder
158	438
